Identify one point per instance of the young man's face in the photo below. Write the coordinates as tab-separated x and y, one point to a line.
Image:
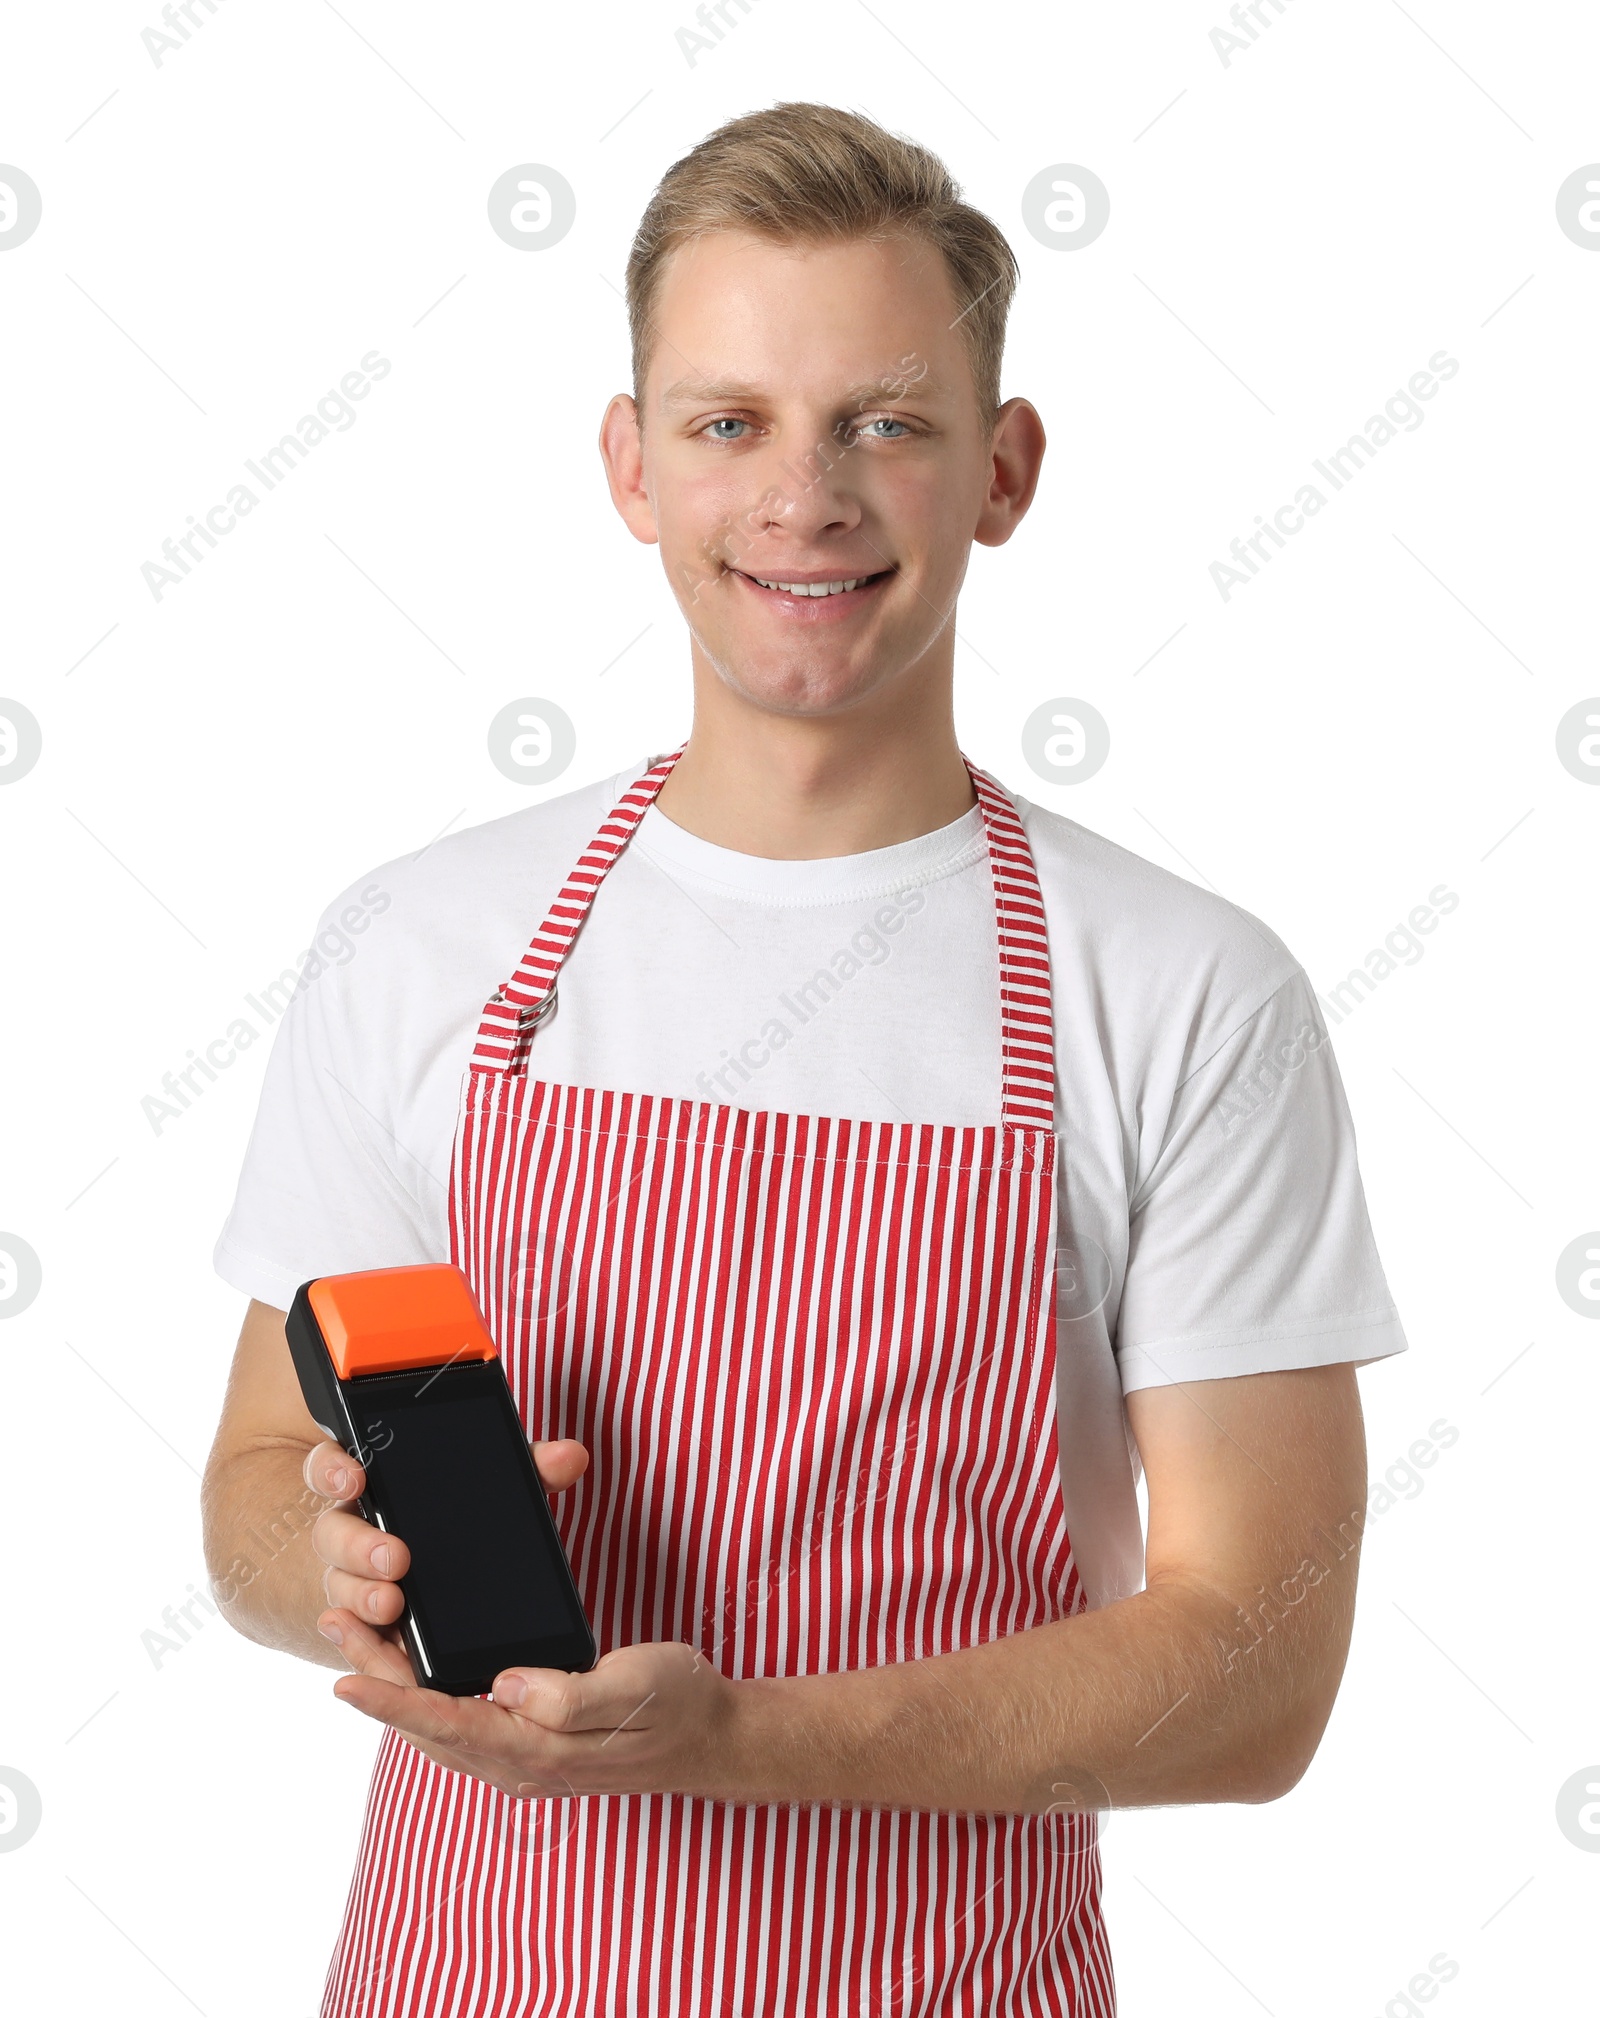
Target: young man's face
809	419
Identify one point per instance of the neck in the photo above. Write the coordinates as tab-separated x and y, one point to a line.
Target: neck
802	787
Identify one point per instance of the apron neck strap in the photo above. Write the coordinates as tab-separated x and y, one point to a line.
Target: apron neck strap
1027	1048
1027	1021
517	1008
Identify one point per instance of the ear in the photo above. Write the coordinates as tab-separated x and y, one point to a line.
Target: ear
622	452
1016	455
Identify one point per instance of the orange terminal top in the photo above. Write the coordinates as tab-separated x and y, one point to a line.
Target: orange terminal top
388	1320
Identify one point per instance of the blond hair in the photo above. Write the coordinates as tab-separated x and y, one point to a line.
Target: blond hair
801	173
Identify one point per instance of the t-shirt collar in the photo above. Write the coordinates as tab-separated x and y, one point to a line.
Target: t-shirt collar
876	872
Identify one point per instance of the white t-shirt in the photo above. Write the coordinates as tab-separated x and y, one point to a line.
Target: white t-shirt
1211	1215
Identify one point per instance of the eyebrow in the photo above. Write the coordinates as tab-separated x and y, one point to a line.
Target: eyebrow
869	392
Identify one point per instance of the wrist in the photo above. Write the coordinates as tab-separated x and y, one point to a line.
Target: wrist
757	1740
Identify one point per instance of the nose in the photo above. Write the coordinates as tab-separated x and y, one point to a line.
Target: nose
809	494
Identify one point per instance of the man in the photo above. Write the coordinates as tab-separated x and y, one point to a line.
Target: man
862	1171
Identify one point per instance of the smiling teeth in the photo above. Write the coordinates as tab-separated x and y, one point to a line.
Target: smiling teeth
814	588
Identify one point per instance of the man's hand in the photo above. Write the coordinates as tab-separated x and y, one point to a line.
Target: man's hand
1258	1495
1213	1683
363	1565
656	1718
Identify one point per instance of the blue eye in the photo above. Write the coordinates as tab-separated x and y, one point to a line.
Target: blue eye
725	422
888	420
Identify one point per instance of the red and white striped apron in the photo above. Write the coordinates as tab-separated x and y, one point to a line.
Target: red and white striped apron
813	1362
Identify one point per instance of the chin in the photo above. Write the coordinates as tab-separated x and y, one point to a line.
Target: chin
800	687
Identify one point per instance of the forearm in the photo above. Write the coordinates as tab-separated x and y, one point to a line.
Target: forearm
258	1514
1149	1701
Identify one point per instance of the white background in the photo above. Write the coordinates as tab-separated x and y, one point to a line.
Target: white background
1292	235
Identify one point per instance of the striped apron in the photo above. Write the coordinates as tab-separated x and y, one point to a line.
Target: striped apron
813	1362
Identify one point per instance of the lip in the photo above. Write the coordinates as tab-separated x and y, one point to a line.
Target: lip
815	609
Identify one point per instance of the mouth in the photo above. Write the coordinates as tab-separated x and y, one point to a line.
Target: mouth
813	598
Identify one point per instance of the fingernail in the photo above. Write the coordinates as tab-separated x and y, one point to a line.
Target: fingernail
380	1559
340	1481
511	1690
332	1632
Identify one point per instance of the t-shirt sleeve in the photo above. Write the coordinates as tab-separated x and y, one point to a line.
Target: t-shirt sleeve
1250	1248
325	1187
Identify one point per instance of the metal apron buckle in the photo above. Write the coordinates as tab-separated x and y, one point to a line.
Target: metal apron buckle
532	1015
